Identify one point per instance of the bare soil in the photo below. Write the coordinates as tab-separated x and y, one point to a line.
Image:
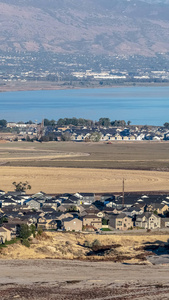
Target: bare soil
118	155
69	280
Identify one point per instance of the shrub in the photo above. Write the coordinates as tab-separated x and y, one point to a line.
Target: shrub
40	231
25	243
33	229
104	222
87	244
95	243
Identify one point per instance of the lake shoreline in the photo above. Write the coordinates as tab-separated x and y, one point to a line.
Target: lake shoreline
40	86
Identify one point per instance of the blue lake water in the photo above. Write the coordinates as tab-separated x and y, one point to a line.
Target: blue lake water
140	105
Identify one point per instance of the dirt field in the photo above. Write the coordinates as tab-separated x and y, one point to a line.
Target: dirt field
85	167
118	155
70	280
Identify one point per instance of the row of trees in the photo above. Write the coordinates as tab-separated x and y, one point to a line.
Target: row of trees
75	122
106	122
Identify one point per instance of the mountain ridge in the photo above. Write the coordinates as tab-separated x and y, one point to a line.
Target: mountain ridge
124	27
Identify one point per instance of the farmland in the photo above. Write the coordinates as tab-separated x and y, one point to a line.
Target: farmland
91	167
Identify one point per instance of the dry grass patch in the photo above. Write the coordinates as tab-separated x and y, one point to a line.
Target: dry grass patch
57	245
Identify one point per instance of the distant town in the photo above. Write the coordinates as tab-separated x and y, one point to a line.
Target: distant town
81	130
76	70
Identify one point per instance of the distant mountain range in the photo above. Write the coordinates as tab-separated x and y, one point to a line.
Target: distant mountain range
120	27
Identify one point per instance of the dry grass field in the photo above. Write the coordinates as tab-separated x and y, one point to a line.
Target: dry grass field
91	167
61	180
59	245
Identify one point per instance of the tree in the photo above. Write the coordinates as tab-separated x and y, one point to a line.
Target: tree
29	122
128	123
104	122
46	122
3	123
66	137
21	186
72	208
166	125
52	122
117	123
49	123
24	231
45	138
61	122
28	138
95	137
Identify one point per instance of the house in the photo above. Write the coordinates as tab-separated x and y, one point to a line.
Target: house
160	208
87	198
165	222
148	220
74	199
72	224
8	202
63	208
92	220
52	221
88	207
13	228
132	138
132	211
32	217
65	216
2	192
120	221
5	235
50	203
42	223
111	210
69	202
47	224
47	210
107	197
33	204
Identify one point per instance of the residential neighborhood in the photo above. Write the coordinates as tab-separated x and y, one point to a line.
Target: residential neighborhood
102	130
82	212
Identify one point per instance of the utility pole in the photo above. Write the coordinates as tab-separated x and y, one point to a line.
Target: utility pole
123	194
41	130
